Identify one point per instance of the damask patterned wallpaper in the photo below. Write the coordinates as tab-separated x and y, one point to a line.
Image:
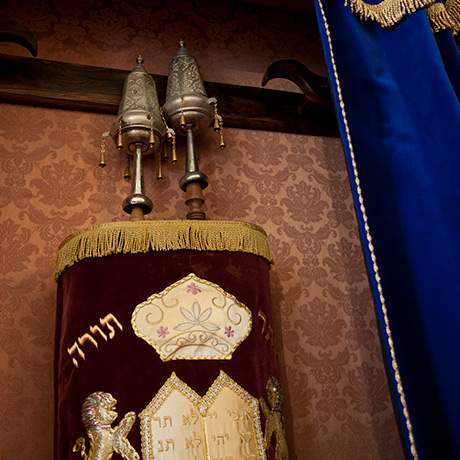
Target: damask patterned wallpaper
296	187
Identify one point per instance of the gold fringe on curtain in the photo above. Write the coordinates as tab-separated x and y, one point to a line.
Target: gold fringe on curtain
453	8
161	235
445	16
388	12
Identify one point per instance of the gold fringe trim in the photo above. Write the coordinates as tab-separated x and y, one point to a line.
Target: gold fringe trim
453	8
388	12
445	16
161	235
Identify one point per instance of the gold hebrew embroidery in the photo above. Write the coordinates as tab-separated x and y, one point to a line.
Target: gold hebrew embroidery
71	350
98	415
86	338
266	331
94	329
192	319
90	337
224	424
106	322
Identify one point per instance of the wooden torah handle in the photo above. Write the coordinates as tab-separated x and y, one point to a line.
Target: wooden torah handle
195	201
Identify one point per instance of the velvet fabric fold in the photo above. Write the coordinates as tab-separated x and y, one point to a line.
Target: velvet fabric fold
399	117
127	366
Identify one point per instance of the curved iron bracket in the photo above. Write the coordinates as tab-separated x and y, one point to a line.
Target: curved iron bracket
314	87
12	32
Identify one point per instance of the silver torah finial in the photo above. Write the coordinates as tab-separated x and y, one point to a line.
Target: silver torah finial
189	111
139	130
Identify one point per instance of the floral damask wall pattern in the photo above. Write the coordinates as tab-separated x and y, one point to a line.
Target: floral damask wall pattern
296	187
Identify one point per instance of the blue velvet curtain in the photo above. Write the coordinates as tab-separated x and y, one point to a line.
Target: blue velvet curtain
396	93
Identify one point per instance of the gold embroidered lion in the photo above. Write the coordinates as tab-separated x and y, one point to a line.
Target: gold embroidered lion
274	419
98	413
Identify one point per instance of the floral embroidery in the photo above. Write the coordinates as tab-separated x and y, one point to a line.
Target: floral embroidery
193	288
162	331
195	317
181	325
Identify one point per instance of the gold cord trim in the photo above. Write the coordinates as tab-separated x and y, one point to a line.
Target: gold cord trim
394	363
161	235
388	12
445	16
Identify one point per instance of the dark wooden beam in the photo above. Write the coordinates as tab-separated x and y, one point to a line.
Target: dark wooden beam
33	81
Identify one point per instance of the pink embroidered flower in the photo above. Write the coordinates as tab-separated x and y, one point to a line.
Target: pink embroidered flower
229	332
192	288
162	331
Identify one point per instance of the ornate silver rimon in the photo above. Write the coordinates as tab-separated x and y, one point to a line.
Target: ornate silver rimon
189	111
184	77
139	113
139	130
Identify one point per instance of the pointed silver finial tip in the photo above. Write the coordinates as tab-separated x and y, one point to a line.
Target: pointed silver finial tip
140	59
182	48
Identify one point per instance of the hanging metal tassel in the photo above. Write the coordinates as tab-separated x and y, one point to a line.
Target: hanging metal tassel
152	137
218	124
102	162
119	136
221	132
172	139
160	170
127	171
182	121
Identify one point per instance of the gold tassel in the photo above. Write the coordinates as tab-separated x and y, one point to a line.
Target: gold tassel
119	136
218	125
171	136
151	139
445	16
221	133
182	121
102	162
160	170
143	236
127	171
439	17
453	8
222	142
173	147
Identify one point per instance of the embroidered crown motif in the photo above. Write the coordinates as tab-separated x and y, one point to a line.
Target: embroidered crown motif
192	319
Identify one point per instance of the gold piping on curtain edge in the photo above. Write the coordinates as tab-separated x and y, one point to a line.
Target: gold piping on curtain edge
161	235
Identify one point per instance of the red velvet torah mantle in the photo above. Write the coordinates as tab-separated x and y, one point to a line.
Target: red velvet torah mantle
164	344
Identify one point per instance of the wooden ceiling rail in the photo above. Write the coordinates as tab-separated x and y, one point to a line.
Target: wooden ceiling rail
33	81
